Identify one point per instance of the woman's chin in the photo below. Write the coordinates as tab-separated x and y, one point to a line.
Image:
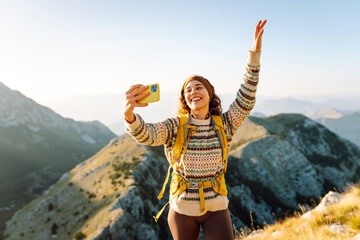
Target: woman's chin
197	107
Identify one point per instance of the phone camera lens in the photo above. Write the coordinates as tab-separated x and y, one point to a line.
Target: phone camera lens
153	88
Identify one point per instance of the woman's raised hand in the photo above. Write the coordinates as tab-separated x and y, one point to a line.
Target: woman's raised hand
257	36
135	93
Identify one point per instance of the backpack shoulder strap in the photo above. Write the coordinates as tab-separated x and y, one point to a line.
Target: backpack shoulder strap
180	137
218	120
182	133
220	131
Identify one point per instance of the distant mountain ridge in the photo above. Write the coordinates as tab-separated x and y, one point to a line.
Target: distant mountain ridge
346	126
332	107
107	107
17	109
275	163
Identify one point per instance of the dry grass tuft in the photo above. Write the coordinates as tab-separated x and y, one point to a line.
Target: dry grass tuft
337	222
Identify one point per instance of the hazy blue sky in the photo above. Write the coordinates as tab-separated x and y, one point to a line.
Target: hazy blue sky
57	49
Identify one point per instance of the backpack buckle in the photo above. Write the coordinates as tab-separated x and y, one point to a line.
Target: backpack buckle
194	185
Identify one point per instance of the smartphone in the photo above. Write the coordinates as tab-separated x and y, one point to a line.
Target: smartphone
154	96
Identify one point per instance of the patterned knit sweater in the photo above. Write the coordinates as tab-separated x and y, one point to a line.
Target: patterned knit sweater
203	157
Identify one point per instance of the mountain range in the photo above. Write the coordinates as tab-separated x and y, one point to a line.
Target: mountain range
276	163
38	146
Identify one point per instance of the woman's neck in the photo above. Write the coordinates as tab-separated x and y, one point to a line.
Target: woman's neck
200	115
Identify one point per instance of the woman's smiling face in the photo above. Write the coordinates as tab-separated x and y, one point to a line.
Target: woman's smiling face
196	96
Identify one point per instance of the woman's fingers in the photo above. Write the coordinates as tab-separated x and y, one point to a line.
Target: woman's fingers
263	24
258	24
135	89
134	94
259	29
140	104
140	96
140	89
260	33
132	100
134	104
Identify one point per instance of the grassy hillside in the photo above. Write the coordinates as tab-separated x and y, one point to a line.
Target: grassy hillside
338	221
82	201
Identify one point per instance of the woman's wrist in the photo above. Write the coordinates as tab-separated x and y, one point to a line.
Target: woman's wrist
254	51
130	118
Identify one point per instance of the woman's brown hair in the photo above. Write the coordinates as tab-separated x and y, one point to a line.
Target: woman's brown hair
215	102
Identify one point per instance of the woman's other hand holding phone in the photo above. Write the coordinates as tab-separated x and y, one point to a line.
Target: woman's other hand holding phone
135	93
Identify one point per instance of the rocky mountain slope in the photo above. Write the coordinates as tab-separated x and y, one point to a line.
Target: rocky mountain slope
37	146
110	194
275	164
290	160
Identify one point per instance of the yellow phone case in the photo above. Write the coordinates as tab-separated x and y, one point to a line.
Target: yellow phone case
154	96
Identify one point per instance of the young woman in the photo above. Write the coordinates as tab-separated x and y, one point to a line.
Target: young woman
203	160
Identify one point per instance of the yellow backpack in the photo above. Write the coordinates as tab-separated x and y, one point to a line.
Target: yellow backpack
178	184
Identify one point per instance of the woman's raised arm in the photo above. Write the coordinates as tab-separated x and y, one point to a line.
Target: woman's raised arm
240	109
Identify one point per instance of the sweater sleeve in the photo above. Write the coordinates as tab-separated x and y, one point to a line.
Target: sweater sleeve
240	109
152	134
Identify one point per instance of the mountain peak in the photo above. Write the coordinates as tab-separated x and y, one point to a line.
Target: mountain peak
4	88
